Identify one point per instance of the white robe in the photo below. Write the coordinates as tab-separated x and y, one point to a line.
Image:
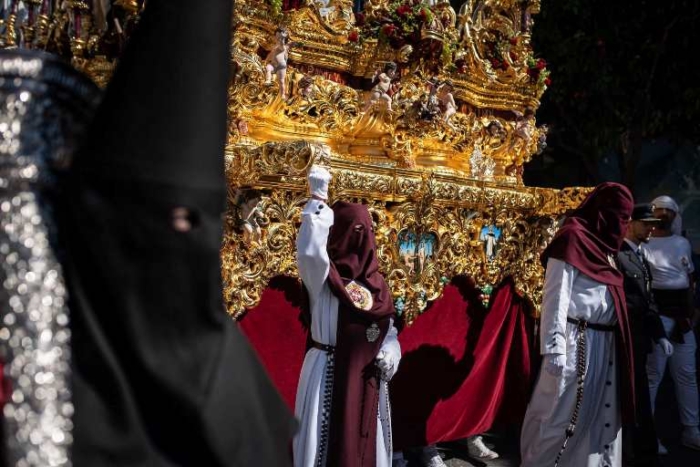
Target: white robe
313	261
597	438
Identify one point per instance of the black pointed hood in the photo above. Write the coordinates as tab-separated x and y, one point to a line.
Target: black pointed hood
161	121
162	376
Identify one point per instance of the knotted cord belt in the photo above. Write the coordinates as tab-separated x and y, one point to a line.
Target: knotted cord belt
325	347
581	327
327	399
594	326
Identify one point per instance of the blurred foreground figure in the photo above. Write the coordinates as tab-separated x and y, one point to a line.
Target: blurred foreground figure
45	107
161	375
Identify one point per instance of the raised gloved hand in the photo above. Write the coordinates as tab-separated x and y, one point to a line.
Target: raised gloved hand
318	178
554	363
666	346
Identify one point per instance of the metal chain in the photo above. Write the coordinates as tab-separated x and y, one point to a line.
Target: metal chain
580	380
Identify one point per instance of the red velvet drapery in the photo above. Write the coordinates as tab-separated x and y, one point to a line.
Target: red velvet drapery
463	368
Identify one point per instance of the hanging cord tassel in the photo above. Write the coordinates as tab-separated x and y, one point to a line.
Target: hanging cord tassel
387	409
322	452
580	381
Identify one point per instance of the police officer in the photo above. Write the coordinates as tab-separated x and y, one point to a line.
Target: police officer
639	442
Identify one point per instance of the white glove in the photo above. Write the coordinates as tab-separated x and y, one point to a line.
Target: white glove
387	364
389	354
666	346
555	363
318	178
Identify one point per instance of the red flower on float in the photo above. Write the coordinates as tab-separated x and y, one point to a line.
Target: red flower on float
353	36
547	81
541	64
388	30
403	10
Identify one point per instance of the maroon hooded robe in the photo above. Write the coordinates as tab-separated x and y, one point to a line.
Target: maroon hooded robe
352	251
589	240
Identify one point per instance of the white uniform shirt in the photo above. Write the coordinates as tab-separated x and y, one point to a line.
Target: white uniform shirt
670	259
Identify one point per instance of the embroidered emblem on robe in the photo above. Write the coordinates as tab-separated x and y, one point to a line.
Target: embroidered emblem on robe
360	296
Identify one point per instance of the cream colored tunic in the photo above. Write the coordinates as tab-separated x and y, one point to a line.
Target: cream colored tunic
597	438
312	257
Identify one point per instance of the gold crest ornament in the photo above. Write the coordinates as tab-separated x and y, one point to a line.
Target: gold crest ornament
360	296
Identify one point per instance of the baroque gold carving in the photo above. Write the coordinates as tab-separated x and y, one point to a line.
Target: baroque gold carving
440	168
448	211
414	133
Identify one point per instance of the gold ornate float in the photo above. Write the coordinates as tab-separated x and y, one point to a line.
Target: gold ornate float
439	162
424	113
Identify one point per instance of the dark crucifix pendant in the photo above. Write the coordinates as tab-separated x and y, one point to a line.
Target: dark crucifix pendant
372	332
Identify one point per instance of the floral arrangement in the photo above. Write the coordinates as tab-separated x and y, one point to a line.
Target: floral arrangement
497	50
398	25
538	72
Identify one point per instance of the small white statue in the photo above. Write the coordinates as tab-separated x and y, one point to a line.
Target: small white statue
324	10
276	60
383	86
447	102
251	219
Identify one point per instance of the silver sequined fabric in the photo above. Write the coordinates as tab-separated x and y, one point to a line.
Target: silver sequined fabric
44	108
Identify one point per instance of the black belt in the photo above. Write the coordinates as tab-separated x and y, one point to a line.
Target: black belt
324	347
587	325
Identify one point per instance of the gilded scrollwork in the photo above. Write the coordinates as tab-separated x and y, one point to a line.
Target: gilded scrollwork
437	155
247	267
430	227
431	117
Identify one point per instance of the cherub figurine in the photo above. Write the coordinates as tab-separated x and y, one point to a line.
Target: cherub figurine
524	125
306	86
495	133
382	88
276	60
250	220
523	130
447	102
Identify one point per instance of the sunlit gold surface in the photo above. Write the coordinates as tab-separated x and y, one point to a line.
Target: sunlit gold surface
442	178
451	208
332	112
